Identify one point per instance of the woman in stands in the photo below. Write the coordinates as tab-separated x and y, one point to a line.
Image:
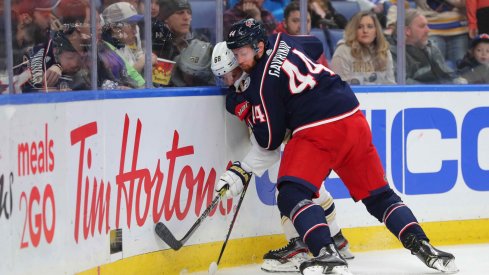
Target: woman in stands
363	56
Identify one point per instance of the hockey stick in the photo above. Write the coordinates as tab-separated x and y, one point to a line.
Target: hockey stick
164	233
213	266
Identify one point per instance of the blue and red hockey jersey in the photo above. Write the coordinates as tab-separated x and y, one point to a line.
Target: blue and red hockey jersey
288	90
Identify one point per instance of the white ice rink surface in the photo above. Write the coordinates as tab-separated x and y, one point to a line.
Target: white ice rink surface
470	259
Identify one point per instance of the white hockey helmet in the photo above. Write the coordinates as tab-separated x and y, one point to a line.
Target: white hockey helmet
223	60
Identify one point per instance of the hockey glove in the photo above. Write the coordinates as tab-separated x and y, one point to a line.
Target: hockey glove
237	105
232	182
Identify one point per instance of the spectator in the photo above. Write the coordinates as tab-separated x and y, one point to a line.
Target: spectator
39	12
161	35
193	66
112	34
323	15
177	15
69	60
162	38
475	65
111	69
25	33
392	16
125	16
31	27
478	16
292	21
155	8
292	25
448	27
114	73
249	9
424	61
363	57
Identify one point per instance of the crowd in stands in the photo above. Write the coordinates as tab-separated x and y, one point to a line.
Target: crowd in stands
446	41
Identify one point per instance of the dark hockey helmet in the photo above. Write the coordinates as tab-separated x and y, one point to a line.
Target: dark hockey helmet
246	32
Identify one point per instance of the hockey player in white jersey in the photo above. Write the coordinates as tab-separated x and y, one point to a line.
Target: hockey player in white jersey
258	160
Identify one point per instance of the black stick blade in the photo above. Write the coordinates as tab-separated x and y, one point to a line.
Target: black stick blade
164	233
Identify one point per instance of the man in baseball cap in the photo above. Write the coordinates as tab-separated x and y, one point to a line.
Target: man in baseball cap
121	12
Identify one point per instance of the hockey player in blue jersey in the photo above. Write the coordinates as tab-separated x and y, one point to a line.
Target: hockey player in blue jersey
288	91
258	160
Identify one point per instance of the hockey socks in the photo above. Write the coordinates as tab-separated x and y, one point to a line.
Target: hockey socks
388	208
295	202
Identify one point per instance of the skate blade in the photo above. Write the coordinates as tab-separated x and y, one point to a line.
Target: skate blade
320	270
346	254
276	266
450	267
292	265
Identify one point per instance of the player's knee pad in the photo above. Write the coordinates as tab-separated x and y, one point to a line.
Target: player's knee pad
379	203
389	209
295	202
290	195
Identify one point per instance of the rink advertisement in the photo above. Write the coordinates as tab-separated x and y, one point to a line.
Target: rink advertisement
82	183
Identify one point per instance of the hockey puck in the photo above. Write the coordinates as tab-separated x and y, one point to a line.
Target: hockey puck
213	268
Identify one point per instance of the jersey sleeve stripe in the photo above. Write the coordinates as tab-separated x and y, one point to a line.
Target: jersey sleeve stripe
261	89
328	120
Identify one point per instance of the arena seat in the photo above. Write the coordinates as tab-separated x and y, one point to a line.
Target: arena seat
346	8
335	36
319	33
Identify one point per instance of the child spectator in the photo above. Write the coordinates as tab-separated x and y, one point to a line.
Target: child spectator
126	16
363	57
475	65
112	34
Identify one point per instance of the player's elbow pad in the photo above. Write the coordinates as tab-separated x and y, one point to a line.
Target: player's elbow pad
237	105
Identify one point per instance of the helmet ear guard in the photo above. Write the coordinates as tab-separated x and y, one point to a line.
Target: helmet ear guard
246	32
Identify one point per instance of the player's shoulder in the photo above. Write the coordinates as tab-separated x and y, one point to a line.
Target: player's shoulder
278	42
276	38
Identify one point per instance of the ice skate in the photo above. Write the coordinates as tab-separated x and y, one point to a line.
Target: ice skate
329	261
343	246
429	255
287	258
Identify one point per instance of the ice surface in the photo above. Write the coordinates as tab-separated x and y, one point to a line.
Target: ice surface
470	259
